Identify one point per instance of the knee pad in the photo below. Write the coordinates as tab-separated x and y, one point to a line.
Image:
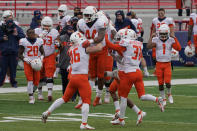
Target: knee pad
49	80
161	88
168	85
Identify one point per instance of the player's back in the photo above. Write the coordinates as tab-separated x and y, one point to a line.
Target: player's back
132	55
79	59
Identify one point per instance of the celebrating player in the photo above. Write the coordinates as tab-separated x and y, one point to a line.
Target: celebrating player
163	44
79	54
50	37
32	48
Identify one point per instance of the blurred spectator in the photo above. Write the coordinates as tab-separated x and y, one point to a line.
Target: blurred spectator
122	22
183	3
73	22
78	13
67	30
10	34
36	20
8	15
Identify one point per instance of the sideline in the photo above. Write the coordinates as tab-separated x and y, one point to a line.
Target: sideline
59	87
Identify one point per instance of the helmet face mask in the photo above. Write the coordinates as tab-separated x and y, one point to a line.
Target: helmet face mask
163	36
76	38
62	10
47	23
89	14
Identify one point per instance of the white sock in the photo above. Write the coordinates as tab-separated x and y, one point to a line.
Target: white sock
169	91
109	73
99	93
84	112
30	87
162	93
50	88
123	106
117	105
56	104
148	97
145	69
31	97
80	101
136	109
92	83
40	91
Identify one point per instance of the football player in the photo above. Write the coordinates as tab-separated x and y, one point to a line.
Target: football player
79	54
91	25
193	28
131	51
140	32
63	18
163	44
31	48
50	37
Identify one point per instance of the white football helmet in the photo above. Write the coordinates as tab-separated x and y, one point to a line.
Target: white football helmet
7	13
76	38
174	53
36	64
101	15
47	22
189	50
63	8
164	32
129	34
89	14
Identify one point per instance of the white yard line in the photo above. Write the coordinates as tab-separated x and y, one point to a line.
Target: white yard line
59	87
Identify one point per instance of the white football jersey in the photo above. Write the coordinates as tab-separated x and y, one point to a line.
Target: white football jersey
163	49
193	18
138	25
49	40
120	66
90	32
31	50
79	59
168	20
132	55
62	22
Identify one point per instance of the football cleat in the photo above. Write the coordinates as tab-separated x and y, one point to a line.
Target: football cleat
117	115
78	106
50	98
141	114
160	103
32	101
118	122
96	101
45	116
86	127
40	97
170	99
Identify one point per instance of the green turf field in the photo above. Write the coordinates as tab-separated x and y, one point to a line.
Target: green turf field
180	116
17	115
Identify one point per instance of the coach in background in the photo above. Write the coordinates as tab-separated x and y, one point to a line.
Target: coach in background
10	34
122	22
36	20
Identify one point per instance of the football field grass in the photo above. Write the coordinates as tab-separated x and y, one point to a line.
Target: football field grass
17	115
